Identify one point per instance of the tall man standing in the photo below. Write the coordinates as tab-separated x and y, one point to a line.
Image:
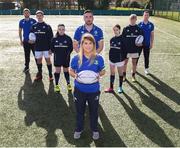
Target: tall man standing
25	26
148	28
91	28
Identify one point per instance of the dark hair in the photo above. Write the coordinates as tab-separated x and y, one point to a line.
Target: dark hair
26	9
57	33
146	11
118	26
88	11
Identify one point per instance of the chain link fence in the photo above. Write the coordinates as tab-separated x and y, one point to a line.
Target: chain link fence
167	8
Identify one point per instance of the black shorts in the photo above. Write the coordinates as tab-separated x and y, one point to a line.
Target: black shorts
61	62
116	57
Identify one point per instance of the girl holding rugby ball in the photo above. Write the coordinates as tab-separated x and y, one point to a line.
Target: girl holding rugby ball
86	68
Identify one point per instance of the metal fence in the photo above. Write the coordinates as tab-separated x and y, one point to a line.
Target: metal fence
167	8
75	12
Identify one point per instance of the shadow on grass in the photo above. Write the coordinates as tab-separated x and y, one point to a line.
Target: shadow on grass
144	123
158	106
51	112
163	88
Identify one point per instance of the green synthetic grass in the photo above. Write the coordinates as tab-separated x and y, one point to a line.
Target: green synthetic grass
148	114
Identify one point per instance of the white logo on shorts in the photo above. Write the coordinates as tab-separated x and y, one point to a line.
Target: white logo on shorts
97	98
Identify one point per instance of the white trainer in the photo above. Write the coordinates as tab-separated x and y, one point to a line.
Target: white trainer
77	135
95	135
146	71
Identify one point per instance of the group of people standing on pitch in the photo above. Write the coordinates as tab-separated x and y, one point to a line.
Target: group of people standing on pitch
88	42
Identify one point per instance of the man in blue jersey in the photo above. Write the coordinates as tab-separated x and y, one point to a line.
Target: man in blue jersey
25	26
89	27
148	28
44	34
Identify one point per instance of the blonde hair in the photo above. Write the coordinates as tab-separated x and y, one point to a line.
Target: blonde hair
133	16
87	36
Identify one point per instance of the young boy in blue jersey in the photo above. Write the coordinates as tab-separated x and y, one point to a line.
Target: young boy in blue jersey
44	35
25	27
130	33
61	46
148	28
91	28
87	59
117	56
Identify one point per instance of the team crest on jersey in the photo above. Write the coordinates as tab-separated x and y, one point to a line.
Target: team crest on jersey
82	32
56	41
31	22
136	31
119	43
65	42
95	32
35	27
96	62
23	22
44	26
128	30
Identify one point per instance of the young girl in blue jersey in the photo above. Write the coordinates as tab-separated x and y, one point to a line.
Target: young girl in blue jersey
61	46
87	59
117	56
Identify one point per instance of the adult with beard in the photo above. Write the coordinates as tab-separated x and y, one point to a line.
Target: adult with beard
25	25
91	28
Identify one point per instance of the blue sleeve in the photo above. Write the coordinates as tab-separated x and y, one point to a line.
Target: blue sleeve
100	37
101	65
20	24
74	63
77	35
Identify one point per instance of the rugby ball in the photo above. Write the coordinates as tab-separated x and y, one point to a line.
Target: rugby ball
87	77
139	40
32	37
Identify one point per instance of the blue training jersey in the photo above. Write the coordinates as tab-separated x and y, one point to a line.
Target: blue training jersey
96	32
97	66
147	29
26	25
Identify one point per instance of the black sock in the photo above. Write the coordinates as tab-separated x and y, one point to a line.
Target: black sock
133	74
50	70
39	68
66	75
120	81
112	77
57	76
124	74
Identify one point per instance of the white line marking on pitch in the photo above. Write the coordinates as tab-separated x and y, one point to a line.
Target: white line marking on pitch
172	35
